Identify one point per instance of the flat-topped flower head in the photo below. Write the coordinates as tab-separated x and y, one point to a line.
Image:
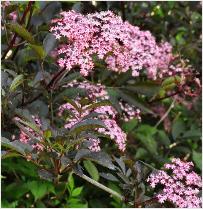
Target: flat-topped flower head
181	186
119	44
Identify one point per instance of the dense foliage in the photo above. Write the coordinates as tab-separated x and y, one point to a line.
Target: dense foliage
101	104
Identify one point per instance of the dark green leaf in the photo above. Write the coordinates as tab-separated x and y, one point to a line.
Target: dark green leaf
108	176
134	101
88	124
148	88
44	174
101	158
49	43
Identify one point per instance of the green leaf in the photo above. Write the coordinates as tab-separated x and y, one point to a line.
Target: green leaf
88	124
40	189
170	80
7	154
22	32
145	134
15	145
31	125
71	77
101	158
44	174
163	138
130	125
108	176
39	50
77	191
81	153
178	128
71	183
99	104
134	101
49	43
197	158
91	169
114	99
16	82
148	88
140	153
70	93
47	134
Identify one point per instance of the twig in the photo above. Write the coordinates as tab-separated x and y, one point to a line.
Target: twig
166	113
101	186
162	98
15	36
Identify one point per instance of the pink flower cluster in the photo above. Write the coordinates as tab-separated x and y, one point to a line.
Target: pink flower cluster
181	187
121	45
129	111
94	147
98	92
106	114
23	137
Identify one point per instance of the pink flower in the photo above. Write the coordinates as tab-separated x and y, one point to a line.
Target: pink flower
181	188
119	44
23	137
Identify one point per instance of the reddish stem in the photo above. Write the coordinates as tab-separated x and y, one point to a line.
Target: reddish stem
21	22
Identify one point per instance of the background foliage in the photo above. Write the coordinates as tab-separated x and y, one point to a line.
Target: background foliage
149	141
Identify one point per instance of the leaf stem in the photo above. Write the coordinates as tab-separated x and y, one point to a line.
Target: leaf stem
101	186
166	113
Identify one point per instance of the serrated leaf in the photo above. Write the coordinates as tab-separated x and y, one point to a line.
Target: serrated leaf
120	163
145	134
31	125
108	176
47	134
39	50
91	169
46	175
77	191
88	124
39	189
71	93
70	182
71	77
16	145
101	158
148	88
22	32
178	128
16	82
99	104
8	154
197	158
163	138
130	125
114	99
49	43
81	153
134	101
170	80
92	115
